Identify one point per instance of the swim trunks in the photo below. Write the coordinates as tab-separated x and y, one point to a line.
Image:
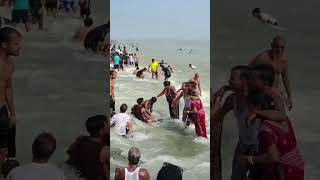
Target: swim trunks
51	4
4	127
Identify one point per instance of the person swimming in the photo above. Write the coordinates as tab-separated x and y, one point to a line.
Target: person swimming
263	17
140	73
192	66
83	31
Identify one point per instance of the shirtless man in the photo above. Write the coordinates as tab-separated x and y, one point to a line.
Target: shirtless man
148	104
275	57
196	79
10	40
113	77
140	112
133	171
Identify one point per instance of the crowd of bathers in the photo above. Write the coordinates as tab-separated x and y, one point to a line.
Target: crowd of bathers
190	91
267	147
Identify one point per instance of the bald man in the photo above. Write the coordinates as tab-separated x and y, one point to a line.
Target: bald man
275	57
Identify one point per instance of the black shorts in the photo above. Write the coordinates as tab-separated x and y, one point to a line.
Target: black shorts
84	11
51	4
116	66
93	45
20	14
4	127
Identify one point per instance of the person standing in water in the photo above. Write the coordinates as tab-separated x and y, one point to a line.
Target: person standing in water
122	122
170	93
197	115
113	77
133	171
52	7
196	80
10	40
84	8
148	104
37	9
154	68
141	113
21	12
275	57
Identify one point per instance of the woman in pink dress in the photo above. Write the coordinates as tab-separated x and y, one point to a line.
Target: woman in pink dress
279	155
197	114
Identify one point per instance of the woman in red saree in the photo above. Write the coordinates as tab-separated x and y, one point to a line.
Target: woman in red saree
279	156
197	115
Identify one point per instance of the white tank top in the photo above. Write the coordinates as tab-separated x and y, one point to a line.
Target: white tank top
132	175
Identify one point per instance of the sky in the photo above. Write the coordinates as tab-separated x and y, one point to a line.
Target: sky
160	19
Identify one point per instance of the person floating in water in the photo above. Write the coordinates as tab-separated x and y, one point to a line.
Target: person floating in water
263	17
83	31
96	37
192	66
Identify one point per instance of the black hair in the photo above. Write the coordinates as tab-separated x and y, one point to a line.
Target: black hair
265	72
244	71
137	68
95	123
123	108
8	165
43	146
166	83
88	22
140	101
5	34
154	99
256	10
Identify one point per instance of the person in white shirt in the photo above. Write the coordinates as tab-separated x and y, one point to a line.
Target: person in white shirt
133	171
122	122
192	66
263	17
40	169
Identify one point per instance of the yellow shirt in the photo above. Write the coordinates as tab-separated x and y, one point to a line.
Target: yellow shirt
154	66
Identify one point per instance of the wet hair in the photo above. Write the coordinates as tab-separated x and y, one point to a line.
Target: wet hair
266	73
192	84
137	68
256	10
43	146
152	60
153	99
134	156
123	108
278	39
95	123
244	71
112	71
88	22
5	34
140	101
166	83
8	166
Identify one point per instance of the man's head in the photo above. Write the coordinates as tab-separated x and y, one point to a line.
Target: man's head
113	74
10	41
153	100
137	68
192	85
239	77
88	22
43	146
256	12
97	126
140	101
189	65
123	108
262	76
277	46
196	75
134	156
166	83
152	60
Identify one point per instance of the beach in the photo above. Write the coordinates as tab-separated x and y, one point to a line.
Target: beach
165	140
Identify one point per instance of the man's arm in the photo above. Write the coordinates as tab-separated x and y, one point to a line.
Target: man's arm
161	94
10	100
144	175
286	83
219	113
130	126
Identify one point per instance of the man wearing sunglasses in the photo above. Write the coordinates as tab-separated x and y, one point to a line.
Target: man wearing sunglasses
275	57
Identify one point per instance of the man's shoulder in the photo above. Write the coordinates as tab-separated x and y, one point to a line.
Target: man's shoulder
143	172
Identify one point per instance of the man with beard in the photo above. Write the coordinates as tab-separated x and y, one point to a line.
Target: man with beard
10	40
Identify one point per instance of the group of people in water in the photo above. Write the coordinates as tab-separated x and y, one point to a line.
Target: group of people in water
32	11
267	147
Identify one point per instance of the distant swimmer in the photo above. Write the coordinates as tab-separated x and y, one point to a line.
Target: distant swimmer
140	74
263	17
192	66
